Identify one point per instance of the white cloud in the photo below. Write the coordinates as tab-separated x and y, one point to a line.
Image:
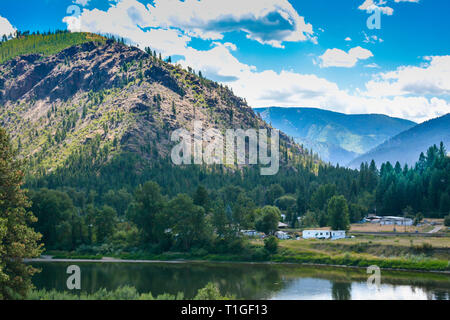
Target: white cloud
230	46
348	39
217	62
285	88
269	22
372	65
371	39
371	5
266	21
340	58
5	27
83	3
433	78
292	89
127	19
289	89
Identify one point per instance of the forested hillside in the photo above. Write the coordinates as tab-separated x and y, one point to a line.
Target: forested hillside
423	187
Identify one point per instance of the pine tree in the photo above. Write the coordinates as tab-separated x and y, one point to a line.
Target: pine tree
338	213
174	109
17	239
201	197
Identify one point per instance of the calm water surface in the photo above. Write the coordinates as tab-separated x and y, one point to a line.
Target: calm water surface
247	281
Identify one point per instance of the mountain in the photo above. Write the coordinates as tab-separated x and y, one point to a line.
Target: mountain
336	137
407	146
75	105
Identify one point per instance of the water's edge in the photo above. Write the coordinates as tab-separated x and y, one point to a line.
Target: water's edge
181	261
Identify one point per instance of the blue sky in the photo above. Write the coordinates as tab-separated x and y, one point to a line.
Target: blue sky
311	53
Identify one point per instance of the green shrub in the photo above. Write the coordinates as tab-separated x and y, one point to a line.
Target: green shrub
199	252
271	244
447	221
209	292
259	254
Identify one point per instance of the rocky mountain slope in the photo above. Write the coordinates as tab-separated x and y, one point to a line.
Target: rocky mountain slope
105	98
336	137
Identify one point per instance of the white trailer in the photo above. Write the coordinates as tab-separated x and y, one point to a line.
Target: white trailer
323	234
316	234
337	234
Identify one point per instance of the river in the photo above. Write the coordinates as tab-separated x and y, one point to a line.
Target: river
247	281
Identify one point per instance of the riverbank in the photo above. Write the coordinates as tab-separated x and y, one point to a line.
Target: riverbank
347	253
184	261
414	253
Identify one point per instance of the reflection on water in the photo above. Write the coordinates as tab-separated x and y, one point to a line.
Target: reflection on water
317	289
248	281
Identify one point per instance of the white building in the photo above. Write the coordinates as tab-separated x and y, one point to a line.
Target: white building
323	234
282	235
399	221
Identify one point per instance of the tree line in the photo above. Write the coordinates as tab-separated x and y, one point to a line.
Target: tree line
159	213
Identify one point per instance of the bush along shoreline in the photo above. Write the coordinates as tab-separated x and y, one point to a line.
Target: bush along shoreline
209	292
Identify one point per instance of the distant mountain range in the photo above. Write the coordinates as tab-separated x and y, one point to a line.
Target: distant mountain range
336	137
407	146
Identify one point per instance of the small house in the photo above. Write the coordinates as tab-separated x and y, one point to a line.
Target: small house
282	225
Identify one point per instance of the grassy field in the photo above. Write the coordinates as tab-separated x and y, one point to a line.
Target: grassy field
406	241
377	246
395	252
375	227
